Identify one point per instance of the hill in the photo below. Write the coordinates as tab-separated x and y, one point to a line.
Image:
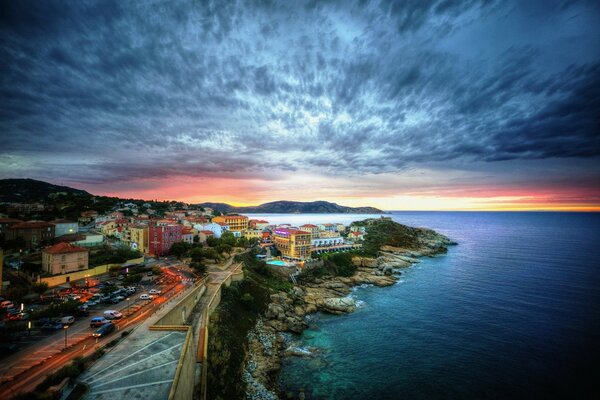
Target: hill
294	207
32	191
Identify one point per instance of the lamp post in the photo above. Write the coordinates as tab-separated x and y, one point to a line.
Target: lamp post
28	328
128	306
66	327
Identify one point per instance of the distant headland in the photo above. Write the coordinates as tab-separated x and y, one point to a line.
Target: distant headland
293	207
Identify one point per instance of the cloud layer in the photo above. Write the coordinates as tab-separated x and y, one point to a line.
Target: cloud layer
113	92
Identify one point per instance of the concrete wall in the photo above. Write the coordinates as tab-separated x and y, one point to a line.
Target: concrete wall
184	382
182	310
75	276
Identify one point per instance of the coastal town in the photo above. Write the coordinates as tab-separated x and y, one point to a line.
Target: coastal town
111	269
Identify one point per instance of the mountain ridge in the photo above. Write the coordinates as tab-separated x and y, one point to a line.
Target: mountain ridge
32	191
293	207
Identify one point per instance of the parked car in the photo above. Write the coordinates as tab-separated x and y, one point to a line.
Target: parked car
22	316
146	296
97	322
104	330
90	303
112	314
154	291
74	297
7	304
67	320
131	290
51	326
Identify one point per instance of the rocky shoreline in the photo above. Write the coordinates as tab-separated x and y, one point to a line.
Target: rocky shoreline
287	311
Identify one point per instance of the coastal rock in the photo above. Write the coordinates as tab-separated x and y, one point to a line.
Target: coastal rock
338	305
275	311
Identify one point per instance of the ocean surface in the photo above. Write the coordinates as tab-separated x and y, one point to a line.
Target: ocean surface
512	311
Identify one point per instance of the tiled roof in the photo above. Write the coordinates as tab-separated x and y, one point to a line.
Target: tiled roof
10	221
308	226
207	232
63	248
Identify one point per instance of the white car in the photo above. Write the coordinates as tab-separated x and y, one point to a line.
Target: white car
146	296
112	314
154	291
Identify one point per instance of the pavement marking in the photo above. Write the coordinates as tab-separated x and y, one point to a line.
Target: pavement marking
131	387
142	360
136	373
132	354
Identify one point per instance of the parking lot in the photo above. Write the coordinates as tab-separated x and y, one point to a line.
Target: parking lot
35	345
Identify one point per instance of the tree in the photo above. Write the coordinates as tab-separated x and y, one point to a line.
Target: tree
39	287
243	242
197	254
156	270
212	254
199	267
16	293
179	249
228	238
224	248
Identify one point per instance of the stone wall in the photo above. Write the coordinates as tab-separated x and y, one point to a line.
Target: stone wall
184	382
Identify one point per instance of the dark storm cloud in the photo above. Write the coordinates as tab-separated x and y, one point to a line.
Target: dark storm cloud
125	89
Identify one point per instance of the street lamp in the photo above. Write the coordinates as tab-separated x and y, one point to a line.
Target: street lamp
128	306
66	327
29	328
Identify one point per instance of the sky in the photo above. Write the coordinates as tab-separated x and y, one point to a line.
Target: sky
415	105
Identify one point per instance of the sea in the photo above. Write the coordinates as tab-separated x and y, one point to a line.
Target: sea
512	311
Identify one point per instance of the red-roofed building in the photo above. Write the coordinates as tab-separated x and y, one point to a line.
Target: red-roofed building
33	233
356	235
313	229
258	223
63	258
187	234
204	235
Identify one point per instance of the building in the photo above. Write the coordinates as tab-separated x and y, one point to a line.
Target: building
327	242
187	235
87	216
236	223
6	222
63	258
108	228
356	235
313	229
340	227
34	233
292	243
327	227
215	228
64	227
204	235
253	234
19	208
258	223
138	237
161	237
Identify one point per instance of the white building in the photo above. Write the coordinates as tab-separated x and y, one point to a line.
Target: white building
215	228
326	242
64	227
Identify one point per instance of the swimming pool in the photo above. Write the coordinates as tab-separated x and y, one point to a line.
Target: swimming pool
279	263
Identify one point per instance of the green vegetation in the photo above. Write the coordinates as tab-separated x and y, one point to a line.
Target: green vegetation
109	255
385	232
236	315
335	264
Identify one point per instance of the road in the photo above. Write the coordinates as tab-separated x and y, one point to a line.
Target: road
24	370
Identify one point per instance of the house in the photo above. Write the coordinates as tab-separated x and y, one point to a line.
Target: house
327	227
108	228
64	227
356	236
215	228
63	258
258	224
253	234
204	235
90	240
340	227
313	229
187	235
33	233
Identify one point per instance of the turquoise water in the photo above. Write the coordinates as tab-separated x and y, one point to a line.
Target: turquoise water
513	311
277	262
